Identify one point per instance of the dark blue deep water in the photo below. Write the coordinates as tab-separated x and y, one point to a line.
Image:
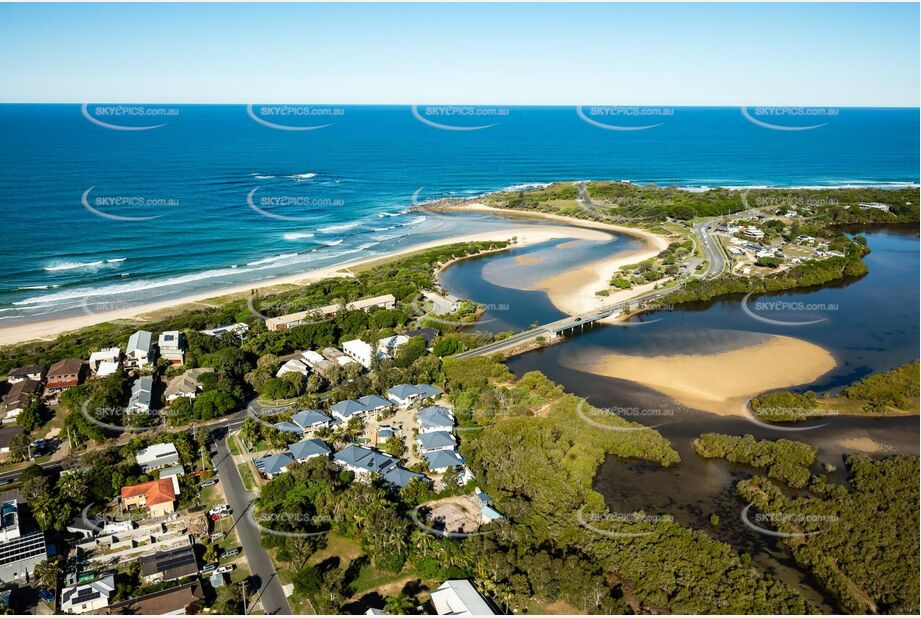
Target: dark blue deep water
340	191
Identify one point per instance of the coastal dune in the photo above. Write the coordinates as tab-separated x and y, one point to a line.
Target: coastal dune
524	235
722	382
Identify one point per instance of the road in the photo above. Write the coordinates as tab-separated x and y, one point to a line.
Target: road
270	592
716	263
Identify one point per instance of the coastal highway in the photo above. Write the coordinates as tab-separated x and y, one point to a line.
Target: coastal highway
270	592
716	263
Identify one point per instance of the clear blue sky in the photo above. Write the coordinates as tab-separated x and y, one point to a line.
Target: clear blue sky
655	54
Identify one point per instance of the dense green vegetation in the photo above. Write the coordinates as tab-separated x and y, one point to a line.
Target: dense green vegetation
865	547
628	200
898	388
808	274
784	460
880	393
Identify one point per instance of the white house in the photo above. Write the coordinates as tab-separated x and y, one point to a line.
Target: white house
157	456
753	232
311	357
458	597
293	366
87	597
107	355
389	345
172	346
35	373
138	352
360	351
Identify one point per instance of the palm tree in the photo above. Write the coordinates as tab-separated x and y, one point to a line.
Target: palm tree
398	604
46	573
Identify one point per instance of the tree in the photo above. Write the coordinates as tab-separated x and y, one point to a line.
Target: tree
408	352
19	447
47	571
229	600
213	404
307	580
31	416
398	604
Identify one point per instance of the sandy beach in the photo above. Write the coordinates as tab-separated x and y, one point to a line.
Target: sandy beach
720	383
524	235
573	291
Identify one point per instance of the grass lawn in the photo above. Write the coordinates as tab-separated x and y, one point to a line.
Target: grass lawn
233	445
246	475
344	548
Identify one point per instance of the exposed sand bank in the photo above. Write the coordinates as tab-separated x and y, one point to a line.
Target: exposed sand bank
721	383
573	291
525	235
864	445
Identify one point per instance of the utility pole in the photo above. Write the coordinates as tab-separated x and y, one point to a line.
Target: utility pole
243	588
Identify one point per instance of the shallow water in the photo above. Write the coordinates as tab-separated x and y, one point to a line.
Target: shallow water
869	325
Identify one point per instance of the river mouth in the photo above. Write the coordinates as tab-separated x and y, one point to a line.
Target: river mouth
865	328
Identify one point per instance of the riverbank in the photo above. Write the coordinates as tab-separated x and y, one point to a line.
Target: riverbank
722	382
47	329
573	291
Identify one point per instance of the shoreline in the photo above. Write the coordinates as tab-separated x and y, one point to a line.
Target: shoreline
51	328
573	291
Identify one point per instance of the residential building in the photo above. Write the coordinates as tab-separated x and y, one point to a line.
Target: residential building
345	410
487	511
458	597
293	366
171	345
362	352
158	497
170	602
389	345
165	566
19	397
64	374
141	399
311	357
428	391
106	355
364	461
87	597
442	461
186	385
35	373
753	232
7	433
272	465
335	355
387	301
436	441
139	352
429	334
21	546
157	456
400	477
375	403
403	394
308	449
107	368
874	206
309	420
289	427
239	329
435	418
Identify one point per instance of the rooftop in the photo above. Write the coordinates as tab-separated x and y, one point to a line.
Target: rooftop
155	492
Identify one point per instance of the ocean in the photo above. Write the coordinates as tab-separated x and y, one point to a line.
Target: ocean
108	206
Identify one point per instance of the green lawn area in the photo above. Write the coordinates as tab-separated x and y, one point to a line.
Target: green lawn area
370	578
233	445
346	549
212	495
246	475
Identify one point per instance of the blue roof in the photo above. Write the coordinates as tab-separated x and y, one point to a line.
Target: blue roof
308	448
349	407
436	440
385	432
309	418
427	390
401	476
374	401
403	391
443	459
365	458
435	416
273	464
289	427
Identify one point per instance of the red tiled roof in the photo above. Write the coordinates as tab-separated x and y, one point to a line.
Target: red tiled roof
155	492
